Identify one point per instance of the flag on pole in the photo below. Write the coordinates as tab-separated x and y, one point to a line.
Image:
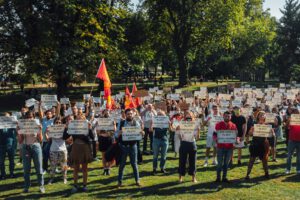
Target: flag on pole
137	100
103	75
129	103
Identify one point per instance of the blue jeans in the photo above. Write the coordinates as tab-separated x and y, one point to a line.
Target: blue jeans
130	150
46	154
33	151
223	157
160	146
10	150
291	148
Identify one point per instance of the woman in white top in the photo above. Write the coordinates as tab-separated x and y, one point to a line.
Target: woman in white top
188	149
58	153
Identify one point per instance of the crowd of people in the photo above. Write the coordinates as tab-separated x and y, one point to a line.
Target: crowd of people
228	122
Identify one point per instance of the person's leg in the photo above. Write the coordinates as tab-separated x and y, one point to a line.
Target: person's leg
291	148
104	163
151	141
63	164
192	154
227	157
26	159
220	158
182	160
163	156
53	163
124	153
146	130
2	160
214	154
75	173
11	152
84	173
265	166
37	160
239	155
45	151
94	149
133	162
172	135
155	144
140	155
298	157
250	165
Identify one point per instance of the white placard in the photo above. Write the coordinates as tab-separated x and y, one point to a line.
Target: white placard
28	126
236	103
270	118
160	122
30	102
78	127
106	124
131	133
80	105
64	101
295	119
159	92
187	129
226	136
216	119
262	130
175	97
189	100
48	100
157	98
56	131
97	99
8	122
86	96
178	91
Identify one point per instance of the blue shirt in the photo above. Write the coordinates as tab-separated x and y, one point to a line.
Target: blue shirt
45	123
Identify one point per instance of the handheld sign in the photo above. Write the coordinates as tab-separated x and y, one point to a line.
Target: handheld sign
227	136
105	124
30	102
56	131
262	130
78	127
64	101
97	99
49	100
8	122
270	118
131	133
160	122
295	119
187	129
86	96
28	126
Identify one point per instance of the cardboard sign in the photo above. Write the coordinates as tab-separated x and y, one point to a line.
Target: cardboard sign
159	92
189	100
157	98
131	133
28	126
160	122
178	91
224	103
262	130
48	100
225	96
8	122
270	118
106	124
80	105
30	102
175	97
86	97
97	99
187	129
236	103
141	93
223	109
56	131
187	94
295	119
78	127
64	101
227	136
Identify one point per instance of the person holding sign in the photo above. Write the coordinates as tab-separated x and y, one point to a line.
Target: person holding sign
30	136
8	143
294	141
189	132
159	126
81	154
211	121
105	130
259	146
225	137
128	144
147	116
58	149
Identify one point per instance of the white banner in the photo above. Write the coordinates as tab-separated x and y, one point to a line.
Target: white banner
160	122
295	119
131	133
48	101
187	129
28	126
8	122
56	131
64	101
226	136
106	124
30	102
270	118
262	130
78	127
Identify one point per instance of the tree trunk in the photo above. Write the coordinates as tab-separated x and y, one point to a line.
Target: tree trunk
182	69
62	84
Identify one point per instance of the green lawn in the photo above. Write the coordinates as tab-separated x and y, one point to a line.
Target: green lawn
279	186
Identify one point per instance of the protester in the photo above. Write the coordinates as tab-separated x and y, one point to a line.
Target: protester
188	149
58	153
147	117
128	148
8	144
160	145
31	149
224	150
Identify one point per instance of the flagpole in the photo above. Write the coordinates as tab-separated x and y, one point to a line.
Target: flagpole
95	79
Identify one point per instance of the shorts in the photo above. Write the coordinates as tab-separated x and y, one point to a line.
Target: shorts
210	142
239	145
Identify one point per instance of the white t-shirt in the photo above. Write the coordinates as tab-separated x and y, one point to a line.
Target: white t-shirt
211	124
58	145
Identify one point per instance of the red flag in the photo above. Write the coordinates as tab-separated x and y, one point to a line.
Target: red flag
136	100
103	75
129	103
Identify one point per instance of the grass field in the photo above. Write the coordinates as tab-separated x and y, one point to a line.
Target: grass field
279	186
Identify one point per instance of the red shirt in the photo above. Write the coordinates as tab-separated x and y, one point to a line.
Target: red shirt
294	133
223	126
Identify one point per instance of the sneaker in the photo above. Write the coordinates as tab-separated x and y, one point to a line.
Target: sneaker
154	172
44	172
225	180
84	189
74	189
119	185
205	164
50	181
274	160
287	171
65	181
138	184
42	189
163	171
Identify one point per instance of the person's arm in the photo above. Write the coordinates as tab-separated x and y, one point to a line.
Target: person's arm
58	109
39	134
151	126
46	134
244	130
66	135
41	113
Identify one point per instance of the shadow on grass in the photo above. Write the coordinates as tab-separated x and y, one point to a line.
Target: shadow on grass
294	178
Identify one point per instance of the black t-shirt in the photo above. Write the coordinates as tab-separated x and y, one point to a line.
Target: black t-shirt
239	121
